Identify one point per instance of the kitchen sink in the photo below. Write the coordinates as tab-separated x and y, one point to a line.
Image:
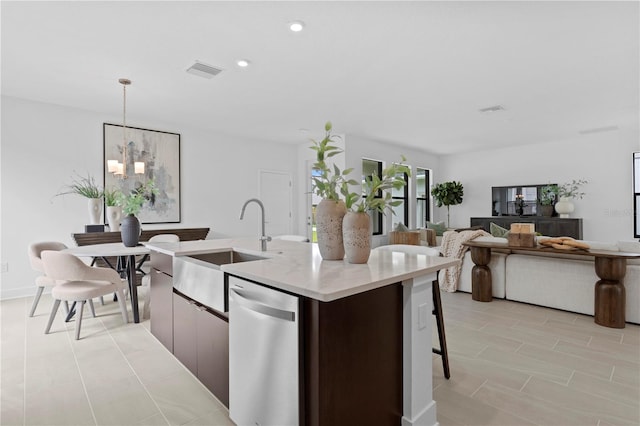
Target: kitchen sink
198	276
226	257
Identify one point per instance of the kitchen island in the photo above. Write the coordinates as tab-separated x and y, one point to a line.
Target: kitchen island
361	348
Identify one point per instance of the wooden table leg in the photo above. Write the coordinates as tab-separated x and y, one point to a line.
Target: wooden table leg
610	296
481	274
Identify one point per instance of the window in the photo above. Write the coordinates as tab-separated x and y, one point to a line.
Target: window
401	212
370	167
423	211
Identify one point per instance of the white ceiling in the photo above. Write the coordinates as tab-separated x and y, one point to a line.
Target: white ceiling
409	73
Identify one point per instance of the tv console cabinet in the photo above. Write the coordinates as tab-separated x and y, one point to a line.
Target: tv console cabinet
549	226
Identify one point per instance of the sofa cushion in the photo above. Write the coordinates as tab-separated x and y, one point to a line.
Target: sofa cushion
629	246
602	245
439	227
563	283
491	239
546	281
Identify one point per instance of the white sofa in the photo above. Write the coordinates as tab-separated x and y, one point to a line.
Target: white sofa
565	282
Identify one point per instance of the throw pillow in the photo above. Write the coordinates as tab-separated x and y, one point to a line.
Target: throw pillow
438	227
498	231
400	227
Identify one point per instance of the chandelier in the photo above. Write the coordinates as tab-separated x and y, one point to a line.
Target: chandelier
114	166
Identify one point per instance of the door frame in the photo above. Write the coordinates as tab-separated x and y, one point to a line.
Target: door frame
288	175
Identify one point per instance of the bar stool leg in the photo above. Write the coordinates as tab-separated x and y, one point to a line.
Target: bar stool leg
437	312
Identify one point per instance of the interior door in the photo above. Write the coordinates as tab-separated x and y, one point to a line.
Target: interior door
275	194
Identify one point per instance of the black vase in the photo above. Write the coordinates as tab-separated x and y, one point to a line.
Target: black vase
130	231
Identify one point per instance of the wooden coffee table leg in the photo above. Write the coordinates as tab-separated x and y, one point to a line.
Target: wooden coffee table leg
610	296
481	274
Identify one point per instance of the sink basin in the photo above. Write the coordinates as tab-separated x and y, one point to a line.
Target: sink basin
198	276
226	257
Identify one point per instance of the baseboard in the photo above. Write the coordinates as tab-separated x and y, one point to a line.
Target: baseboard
17	293
426	417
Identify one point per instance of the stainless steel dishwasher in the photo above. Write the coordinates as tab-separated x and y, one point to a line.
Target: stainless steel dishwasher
263	355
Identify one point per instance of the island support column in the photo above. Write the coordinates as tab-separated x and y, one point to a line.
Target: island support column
418	406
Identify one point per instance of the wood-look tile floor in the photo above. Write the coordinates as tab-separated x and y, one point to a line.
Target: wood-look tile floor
511	364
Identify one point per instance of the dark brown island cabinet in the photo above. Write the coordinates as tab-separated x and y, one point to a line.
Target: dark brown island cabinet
361	358
196	335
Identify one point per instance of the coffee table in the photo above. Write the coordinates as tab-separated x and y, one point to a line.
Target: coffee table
610	267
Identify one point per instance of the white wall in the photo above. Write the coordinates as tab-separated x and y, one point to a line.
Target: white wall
604	159
43	144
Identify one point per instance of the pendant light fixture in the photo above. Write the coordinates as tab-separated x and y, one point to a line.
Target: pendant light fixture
114	166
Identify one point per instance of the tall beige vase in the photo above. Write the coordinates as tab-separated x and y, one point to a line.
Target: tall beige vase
356	233
329	216
95	210
114	216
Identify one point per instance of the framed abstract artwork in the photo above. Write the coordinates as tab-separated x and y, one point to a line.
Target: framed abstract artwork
134	156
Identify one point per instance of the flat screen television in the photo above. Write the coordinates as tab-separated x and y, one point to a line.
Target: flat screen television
516	200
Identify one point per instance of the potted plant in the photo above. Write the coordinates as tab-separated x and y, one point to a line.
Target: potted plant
114	211
131	205
548	196
87	187
356	225
448	194
566	192
326	182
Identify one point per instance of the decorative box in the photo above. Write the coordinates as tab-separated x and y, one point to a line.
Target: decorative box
521	240
523	228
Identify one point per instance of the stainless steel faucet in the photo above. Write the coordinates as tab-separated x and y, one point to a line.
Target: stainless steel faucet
263	238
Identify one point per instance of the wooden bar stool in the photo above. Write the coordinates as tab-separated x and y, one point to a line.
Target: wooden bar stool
437	312
437	302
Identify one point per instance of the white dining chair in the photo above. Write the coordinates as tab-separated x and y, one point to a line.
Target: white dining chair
437	302
43	280
80	283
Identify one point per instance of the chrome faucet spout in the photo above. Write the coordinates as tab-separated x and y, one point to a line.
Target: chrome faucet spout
263	238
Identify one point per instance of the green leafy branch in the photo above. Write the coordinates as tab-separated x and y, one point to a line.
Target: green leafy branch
84	186
132	203
328	180
572	190
376	190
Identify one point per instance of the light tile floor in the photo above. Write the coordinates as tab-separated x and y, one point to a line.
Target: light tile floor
511	364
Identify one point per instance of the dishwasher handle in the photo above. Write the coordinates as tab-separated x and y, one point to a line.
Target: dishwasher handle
244	300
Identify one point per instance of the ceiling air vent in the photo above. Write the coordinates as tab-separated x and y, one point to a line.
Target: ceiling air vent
203	70
494	108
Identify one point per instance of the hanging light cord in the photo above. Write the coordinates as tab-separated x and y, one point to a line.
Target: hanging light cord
124	83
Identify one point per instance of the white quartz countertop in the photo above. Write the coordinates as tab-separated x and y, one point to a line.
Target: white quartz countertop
298	267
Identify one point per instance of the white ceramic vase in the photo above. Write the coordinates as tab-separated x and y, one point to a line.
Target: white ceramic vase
329	216
356	234
564	206
114	216
95	210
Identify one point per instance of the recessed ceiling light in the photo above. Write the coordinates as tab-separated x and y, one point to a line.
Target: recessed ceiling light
243	63
296	26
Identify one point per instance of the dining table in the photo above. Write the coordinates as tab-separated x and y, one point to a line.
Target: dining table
126	264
